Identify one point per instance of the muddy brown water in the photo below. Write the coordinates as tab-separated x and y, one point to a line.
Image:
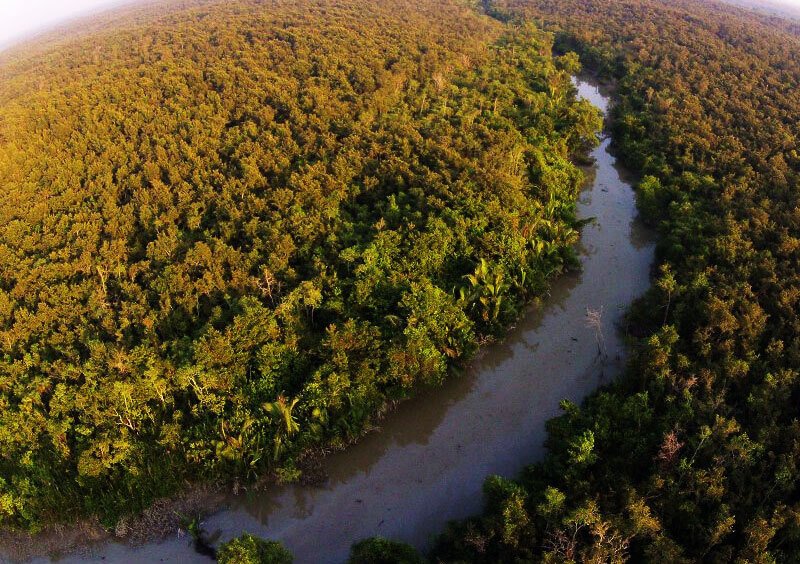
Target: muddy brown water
427	464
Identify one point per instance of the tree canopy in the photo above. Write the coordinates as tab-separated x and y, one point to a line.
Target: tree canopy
248	549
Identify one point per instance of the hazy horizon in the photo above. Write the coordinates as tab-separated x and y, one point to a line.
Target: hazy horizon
20	19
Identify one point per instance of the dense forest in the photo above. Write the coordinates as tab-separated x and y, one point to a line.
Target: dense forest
693	455
232	232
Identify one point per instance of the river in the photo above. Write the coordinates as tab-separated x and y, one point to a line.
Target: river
431	456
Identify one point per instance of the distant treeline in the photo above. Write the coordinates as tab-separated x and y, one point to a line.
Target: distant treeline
693	455
232	231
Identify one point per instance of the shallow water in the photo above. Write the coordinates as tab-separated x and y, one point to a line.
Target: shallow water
427	464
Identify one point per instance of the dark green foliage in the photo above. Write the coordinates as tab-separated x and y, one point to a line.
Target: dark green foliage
693	454
378	550
248	549
232	230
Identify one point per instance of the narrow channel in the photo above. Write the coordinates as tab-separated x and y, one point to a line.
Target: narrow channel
427	464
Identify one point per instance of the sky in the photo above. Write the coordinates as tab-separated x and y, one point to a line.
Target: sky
22	17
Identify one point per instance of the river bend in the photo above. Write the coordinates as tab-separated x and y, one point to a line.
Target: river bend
427	464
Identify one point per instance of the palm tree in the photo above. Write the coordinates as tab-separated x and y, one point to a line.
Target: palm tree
488	287
281	410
